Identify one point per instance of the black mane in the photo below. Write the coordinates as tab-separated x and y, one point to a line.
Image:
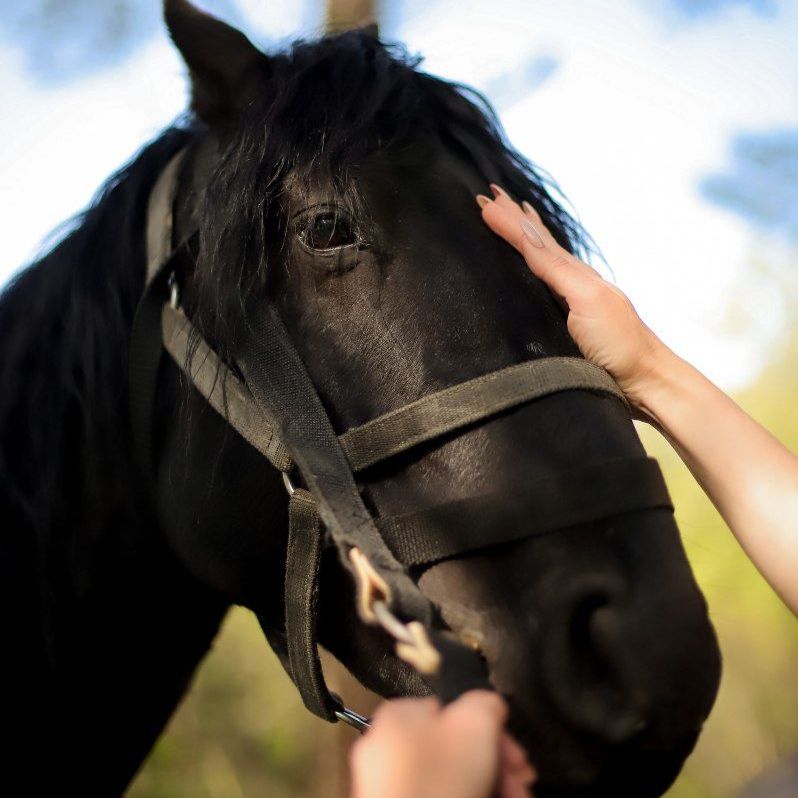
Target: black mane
64	326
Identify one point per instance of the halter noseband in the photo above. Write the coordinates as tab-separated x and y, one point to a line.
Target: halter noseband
277	410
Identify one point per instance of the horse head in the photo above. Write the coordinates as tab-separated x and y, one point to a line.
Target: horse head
336	181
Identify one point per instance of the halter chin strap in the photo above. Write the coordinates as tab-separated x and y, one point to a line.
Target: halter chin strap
277	410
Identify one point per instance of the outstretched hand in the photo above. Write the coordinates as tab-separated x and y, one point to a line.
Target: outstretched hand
601	319
418	749
747	473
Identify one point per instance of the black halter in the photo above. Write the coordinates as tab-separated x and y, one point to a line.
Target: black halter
277	410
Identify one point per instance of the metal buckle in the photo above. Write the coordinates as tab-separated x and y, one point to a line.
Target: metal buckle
412	642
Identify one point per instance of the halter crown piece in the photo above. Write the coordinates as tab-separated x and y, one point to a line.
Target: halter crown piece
276	409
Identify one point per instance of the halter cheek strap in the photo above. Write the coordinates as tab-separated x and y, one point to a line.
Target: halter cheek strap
277	410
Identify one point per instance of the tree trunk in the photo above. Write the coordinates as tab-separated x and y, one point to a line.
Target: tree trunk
345	14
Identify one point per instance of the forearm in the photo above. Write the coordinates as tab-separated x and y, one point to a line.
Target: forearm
750	477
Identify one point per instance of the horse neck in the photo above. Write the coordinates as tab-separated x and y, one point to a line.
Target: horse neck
105	625
65	450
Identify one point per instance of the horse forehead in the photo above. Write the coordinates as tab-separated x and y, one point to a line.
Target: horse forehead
425	161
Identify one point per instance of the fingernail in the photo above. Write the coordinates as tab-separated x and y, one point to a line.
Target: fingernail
482	200
528	208
498	191
531	234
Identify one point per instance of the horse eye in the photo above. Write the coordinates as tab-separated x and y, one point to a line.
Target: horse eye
328	230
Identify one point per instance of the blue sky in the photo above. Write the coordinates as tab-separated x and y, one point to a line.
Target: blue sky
672	126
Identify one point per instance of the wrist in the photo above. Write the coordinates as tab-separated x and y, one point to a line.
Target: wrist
660	377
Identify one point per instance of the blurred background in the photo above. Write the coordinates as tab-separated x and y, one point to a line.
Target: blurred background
672	127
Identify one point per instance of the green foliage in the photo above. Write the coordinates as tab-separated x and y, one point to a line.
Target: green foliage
242	731
754	723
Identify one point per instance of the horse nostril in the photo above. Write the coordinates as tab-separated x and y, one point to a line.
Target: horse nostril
584	665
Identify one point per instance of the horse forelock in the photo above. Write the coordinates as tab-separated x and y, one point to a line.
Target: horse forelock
323	109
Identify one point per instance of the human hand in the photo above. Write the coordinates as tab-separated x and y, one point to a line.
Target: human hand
418	749
601	319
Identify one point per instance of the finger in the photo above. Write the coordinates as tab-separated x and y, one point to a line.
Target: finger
404	711
513	755
530	213
502	215
562	273
478	718
504	220
552	269
479	703
551	242
547	260
512	786
525	211
514	766
503	199
474	724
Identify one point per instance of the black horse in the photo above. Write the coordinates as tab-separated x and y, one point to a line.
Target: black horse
338	180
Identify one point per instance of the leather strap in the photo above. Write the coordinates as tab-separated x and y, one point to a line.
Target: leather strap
395	432
301	600
146	347
280	413
224	392
553	502
282	387
144	358
468	402
160	219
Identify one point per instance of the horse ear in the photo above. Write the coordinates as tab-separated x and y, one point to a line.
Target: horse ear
224	64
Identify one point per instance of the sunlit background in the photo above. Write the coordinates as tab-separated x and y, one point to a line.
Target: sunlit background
671	126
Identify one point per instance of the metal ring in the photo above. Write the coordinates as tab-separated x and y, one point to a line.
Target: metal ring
390	623
174	291
289	486
353	719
